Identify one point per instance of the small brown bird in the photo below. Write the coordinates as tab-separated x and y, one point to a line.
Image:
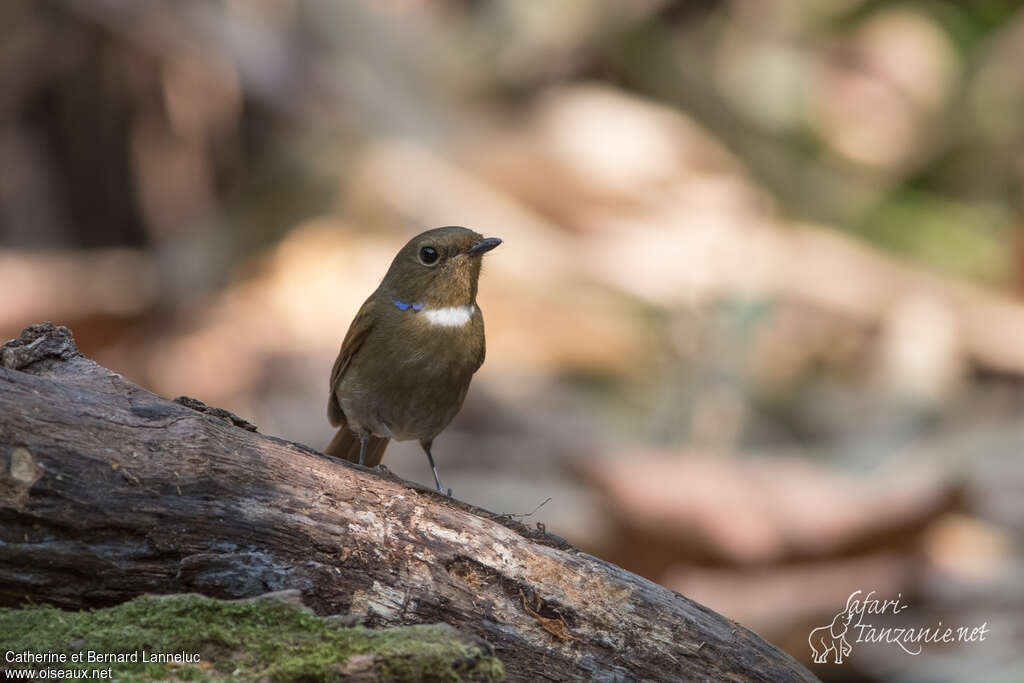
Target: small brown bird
411	351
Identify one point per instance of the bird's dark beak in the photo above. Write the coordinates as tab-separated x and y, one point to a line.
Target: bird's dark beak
483	246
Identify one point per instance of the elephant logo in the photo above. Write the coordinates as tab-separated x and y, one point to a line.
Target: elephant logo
832	638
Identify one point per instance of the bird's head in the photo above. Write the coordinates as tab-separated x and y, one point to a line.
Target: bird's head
439	267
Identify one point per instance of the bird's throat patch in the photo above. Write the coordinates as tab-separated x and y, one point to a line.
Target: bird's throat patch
450	316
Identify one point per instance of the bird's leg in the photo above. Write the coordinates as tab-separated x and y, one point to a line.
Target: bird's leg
437	480
364	437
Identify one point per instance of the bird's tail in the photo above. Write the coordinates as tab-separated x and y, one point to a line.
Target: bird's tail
345	445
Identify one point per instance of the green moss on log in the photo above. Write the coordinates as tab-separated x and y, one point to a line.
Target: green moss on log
262	640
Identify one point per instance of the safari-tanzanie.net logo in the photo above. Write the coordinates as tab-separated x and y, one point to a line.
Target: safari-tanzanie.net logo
856	624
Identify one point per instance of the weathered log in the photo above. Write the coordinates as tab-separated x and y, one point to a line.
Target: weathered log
108	491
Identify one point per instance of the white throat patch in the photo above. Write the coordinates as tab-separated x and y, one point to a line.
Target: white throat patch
452	316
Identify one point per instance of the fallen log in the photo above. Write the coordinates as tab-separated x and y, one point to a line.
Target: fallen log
108	492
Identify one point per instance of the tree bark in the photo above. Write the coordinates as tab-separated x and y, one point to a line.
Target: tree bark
108	491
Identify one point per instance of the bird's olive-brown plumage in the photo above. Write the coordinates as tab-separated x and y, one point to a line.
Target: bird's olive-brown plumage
408	358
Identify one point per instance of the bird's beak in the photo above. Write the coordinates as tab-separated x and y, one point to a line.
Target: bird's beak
483	246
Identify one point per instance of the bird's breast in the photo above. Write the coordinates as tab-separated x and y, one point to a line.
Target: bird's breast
442	339
411	375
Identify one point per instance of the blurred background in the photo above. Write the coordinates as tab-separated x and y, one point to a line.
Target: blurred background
757	327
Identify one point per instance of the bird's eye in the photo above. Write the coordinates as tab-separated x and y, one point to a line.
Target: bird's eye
428	255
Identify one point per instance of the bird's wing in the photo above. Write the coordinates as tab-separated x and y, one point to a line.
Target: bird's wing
358	331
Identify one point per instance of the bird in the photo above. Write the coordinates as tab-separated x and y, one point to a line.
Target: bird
410	353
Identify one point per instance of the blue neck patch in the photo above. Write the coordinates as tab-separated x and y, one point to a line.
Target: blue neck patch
404	306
